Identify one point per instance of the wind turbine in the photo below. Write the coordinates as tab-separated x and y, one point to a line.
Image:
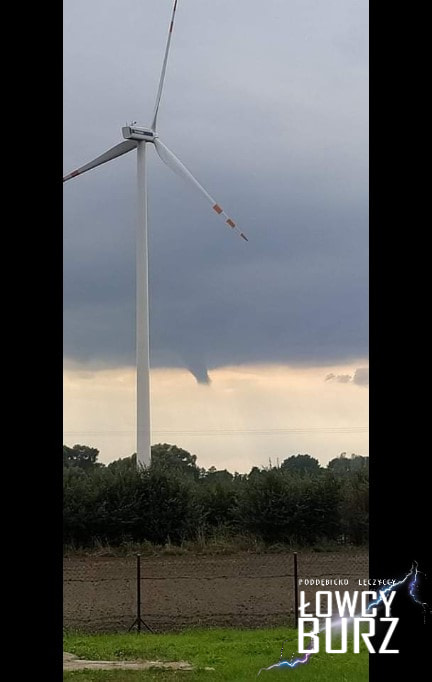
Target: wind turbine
137	137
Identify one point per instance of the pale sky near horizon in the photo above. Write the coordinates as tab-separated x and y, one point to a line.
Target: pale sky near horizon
244	417
267	104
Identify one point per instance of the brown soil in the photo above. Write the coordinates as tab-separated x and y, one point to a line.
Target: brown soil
240	590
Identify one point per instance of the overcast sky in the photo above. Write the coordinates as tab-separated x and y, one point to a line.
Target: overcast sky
267	104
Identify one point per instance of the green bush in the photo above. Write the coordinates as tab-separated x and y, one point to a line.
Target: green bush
173	501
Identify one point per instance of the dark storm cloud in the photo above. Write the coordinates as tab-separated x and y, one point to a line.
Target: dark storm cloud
269	111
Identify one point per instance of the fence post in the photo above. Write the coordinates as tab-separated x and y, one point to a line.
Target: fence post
296	605
138	620
138	592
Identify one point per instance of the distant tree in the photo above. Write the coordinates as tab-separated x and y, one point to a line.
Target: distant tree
172	459
354	509
123	464
343	465
265	507
254	473
168	508
213	476
172	499
301	464
218	498
353	476
80	504
81	456
359	463
293	509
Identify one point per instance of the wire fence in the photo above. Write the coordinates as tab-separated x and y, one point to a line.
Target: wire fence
116	594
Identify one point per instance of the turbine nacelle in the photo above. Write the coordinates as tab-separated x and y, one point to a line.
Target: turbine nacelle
133	132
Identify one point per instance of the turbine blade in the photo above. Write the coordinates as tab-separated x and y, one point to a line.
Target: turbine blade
176	165
164	65
112	153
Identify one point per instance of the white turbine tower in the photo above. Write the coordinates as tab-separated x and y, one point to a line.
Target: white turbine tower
137	137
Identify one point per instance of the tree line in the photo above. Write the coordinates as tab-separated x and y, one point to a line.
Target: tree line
299	502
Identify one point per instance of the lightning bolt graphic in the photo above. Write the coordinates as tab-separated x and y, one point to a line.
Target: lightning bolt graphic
413	573
413	587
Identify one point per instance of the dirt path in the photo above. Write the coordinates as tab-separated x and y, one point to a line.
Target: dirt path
71	662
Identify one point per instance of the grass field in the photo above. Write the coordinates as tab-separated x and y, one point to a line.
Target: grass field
234	655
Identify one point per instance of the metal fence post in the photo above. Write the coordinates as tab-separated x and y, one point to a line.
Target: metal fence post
138	620
296	605
138	593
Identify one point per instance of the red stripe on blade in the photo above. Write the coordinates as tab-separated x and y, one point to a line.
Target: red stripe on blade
230	222
217	208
